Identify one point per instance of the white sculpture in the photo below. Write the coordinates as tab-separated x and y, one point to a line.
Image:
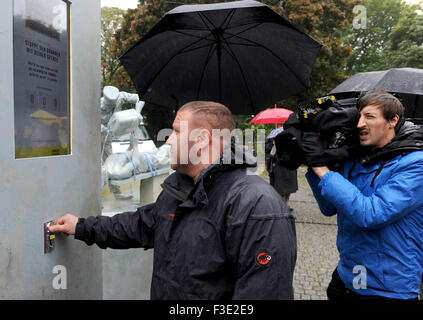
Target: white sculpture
115	122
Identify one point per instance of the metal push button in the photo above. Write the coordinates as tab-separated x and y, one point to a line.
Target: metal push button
48	237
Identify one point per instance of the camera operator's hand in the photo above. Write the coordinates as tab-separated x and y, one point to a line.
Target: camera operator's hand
320	171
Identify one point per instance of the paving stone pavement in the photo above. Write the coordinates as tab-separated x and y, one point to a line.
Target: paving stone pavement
317	255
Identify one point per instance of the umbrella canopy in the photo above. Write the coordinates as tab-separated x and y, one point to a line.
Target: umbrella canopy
274	115
274	133
400	80
408	82
242	54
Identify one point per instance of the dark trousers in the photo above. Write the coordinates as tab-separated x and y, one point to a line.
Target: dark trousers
337	291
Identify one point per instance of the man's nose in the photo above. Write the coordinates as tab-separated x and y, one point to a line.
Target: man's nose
360	123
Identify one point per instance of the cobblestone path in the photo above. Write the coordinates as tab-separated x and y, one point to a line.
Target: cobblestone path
317	255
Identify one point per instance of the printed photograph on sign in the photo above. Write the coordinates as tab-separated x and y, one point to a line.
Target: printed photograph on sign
41	78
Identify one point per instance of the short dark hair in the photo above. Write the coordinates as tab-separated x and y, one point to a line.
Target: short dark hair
390	105
213	114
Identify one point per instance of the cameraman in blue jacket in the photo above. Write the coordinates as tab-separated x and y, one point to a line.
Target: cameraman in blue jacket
378	200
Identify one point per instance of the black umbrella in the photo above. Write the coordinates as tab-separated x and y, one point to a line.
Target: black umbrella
242	54
400	80
407	82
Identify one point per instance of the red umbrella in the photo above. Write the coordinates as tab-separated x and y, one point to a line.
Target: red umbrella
274	115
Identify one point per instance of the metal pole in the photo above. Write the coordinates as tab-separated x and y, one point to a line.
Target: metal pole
219	67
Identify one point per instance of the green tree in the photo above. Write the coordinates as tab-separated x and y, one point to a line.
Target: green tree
405	45
368	43
111	21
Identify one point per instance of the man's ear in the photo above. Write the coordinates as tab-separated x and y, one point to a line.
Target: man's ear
394	121
204	138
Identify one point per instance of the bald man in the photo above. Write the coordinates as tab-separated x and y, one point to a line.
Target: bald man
217	231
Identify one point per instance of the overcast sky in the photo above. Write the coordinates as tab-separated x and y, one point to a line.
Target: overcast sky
125	4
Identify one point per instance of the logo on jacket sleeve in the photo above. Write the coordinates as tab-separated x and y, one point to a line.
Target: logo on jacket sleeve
264	258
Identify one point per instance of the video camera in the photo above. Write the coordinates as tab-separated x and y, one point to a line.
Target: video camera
333	122
305	115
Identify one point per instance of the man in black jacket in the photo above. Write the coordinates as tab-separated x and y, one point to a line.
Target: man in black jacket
218	231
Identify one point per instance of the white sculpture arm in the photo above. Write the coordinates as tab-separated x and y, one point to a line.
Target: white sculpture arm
125	97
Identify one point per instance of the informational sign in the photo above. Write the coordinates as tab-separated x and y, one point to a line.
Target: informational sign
41	78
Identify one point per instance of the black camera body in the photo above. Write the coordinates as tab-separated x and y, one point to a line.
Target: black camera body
334	121
305	115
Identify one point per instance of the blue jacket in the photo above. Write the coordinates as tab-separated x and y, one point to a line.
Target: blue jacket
380	223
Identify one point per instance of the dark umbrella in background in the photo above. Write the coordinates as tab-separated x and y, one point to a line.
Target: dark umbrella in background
407	82
242	54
